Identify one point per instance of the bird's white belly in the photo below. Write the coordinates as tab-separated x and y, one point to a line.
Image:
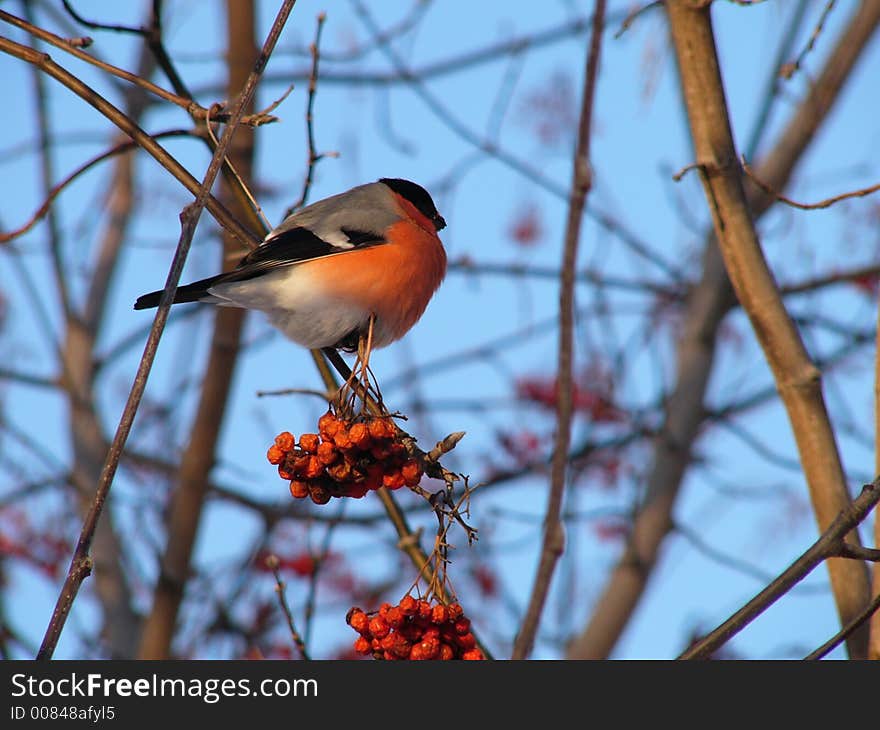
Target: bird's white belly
298	307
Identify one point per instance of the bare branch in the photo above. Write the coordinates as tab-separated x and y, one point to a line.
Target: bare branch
582	181
81	563
827	203
796	376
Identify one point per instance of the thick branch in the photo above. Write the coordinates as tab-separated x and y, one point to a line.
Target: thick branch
797	378
707	306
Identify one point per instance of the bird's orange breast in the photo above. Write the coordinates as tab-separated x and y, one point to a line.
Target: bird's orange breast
394	280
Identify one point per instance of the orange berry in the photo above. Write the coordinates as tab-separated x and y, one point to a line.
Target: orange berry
328	424
313	468
300	463
298	489
308	442
275	454
425	610
393	480
285	440
402	647
394	616
327	453
439	614
408	605
340	472
318	494
379	627
472	655
431	647
357	619
360	436
446	652
455	611
362	645
342	439
411	472
410	630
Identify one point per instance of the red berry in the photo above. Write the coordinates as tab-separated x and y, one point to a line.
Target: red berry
342	439
340	472
393	480
328	424
381	428
299	489
358	620
379	628
394	616
473	655
408	605
327	453
462	626
318	494
411	472
439	614
360	436
362	645
285	441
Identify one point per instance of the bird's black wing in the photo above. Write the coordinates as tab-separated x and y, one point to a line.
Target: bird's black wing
288	247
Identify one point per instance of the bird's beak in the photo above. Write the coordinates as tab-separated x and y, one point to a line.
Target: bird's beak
439	222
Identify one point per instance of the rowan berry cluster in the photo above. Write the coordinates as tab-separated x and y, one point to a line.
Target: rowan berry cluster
345	459
414	629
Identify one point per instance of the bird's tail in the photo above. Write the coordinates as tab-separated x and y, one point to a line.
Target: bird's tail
194	292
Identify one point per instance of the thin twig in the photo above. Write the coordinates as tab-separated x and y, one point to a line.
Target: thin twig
121	120
554	538
57	189
314	157
318	561
827	203
80	565
635	13
273	564
196	111
790	69
842	635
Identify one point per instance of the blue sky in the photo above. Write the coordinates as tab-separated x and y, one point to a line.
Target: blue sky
640	140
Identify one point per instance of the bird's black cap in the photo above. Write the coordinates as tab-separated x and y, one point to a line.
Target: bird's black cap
418	196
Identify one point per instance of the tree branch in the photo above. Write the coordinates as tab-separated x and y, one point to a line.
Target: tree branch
582	180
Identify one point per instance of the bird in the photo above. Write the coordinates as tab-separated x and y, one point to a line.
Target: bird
320	275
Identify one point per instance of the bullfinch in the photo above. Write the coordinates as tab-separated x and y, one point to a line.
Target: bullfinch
321	274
